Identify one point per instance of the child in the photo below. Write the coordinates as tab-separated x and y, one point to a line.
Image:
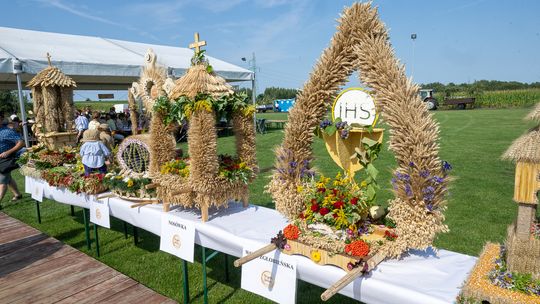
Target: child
94	153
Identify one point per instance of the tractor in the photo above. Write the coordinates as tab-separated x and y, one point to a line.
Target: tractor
427	96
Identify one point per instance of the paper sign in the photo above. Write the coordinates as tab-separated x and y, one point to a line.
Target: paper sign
177	237
272	276
37	192
99	212
28	184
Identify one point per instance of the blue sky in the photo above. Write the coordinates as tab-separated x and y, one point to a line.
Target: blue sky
458	41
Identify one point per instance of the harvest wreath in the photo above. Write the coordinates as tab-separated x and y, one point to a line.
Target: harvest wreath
361	43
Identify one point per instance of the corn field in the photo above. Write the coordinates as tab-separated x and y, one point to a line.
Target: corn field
508	99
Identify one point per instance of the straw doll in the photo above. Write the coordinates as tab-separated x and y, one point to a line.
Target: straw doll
94	153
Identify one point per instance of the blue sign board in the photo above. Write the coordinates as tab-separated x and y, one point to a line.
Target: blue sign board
283	105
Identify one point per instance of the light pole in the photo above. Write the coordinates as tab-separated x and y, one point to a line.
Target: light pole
413	37
253	67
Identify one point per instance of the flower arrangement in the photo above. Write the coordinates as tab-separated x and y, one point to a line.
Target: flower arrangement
234	169
44	158
231	168
177	167
339	203
129	186
73	180
503	278
181	109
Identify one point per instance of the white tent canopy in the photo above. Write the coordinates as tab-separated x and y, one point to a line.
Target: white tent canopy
94	63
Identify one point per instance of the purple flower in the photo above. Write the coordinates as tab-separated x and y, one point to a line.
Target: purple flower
428	189
437	179
446	166
408	190
403	176
325	123
429	207
411	164
424	173
293	164
344	133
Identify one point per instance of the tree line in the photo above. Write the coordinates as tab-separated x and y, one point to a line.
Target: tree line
272	93
477	87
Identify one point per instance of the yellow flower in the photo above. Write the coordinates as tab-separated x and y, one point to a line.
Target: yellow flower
248	111
315	256
363	184
203	105
299	189
242	165
130	183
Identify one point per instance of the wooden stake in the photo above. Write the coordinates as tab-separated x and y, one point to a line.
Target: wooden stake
142	204
106	195
344	281
49	58
266	249
351	276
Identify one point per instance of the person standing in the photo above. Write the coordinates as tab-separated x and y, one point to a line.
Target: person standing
10	143
81	124
94	123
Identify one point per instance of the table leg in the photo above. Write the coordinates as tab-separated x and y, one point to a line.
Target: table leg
125	230
135	235
226	267
38	212
185	281
205	289
72	210
87	229
97	238
205	259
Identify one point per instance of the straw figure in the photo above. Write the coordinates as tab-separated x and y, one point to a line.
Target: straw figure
52	93
205	187
523	249
361	43
149	88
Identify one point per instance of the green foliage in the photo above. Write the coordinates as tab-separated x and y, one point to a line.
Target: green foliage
9	103
272	93
366	156
181	109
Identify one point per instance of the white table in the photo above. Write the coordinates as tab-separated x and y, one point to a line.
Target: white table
421	277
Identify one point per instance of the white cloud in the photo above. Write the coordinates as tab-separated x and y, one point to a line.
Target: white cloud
81	11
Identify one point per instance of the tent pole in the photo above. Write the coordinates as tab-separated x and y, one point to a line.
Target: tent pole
23	111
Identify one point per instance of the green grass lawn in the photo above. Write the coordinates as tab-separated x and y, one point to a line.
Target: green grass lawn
480	206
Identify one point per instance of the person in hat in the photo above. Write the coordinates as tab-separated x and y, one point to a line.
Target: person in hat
94	153
10	143
105	136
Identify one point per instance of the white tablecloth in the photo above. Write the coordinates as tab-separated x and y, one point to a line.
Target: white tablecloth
421	277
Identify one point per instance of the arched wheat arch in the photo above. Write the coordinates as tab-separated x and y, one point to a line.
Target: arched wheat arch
361	43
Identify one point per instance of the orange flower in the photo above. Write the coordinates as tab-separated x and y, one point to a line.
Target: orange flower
357	248
291	232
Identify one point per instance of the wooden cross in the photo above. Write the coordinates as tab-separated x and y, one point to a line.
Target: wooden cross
49	58
197	44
